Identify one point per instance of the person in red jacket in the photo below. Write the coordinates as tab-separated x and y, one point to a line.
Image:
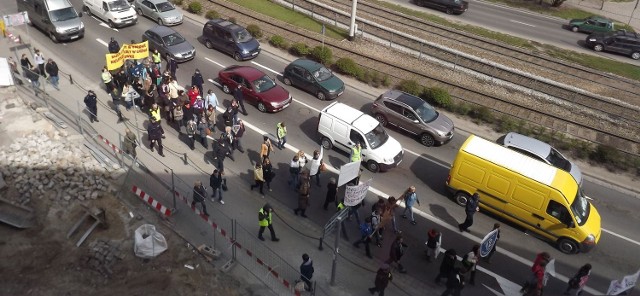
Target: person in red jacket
535	285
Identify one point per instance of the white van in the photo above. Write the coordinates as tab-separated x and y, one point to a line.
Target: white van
56	18
116	13
341	126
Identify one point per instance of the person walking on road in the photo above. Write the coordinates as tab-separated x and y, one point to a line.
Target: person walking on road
390	211
265	221
115	100
107	79
191	133
538	280
470	263
496	226
531	281
211	100
397	250
434	241
376	220
172	66
26	65
215	181
220	152
410	199
267	172
199	195
157	58
304	192
266	148
470	209
447	266
52	69
281	133
306	272
91	101
130	143
237	133
40	61
317	165
202	132
239	97
455	283
383	277
258	177
113	46
197	80
578	281
294	172
356	153
366	231
332	193
155	132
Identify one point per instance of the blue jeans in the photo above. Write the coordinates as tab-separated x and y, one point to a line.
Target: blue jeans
354	211
54	80
218	191
128	105
282	141
410	209
294	179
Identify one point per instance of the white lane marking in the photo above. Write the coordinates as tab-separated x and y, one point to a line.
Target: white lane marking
266	68
102	42
621	236
103	24
210	60
214	82
514	21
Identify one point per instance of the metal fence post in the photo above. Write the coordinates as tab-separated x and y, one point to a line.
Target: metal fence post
78	119
391	41
234	229
121	158
335	252
173	190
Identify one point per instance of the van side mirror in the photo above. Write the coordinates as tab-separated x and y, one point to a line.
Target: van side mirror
80	14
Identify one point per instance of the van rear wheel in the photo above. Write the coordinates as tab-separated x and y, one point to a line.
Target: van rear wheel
567	246
461	198
326	143
373	166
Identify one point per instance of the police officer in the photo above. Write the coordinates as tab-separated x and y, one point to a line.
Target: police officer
356	153
265	220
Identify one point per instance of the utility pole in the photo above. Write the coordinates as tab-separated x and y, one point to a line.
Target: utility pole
352	27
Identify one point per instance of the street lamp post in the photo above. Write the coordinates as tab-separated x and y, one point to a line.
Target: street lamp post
352	27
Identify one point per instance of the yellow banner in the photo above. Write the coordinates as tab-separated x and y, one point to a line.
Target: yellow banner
127	51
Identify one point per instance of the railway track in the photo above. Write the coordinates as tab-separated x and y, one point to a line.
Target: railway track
614	110
542	117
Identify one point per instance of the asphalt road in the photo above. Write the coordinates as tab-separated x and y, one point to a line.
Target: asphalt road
426	168
521	23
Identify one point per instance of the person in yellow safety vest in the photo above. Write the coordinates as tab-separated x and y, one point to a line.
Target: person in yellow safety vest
340	206
155	112
107	79
356	153
281	133
157	58
264	220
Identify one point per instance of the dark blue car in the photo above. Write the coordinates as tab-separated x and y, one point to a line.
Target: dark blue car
230	38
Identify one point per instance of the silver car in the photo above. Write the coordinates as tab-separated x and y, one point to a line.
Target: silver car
541	151
413	115
161	11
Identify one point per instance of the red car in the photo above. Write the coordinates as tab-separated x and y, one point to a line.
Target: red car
258	88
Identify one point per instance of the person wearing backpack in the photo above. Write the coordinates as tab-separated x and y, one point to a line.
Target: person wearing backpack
578	281
470	261
376	219
434	240
304	191
366	231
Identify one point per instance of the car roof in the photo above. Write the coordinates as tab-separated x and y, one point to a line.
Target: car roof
523	142
403	97
307	64
157	1
599	19
226	24
247	72
162	30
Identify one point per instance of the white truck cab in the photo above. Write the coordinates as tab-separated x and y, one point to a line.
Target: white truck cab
341	126
116	13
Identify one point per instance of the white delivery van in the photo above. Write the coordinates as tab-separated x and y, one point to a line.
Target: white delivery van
56	18
341	126
116	13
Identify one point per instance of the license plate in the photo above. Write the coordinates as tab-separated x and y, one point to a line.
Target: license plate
285	106
74	37
340	93
255	53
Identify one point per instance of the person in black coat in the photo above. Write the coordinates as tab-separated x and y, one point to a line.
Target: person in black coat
114	47
470	209
197	80
332	192
199	195
52	69
306	271
447	265
215	181
155	132
455	283
239	96
220	152
91	101
172	66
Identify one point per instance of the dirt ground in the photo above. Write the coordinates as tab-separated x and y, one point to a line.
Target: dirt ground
42	261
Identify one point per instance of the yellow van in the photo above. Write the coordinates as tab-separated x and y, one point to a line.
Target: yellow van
526	191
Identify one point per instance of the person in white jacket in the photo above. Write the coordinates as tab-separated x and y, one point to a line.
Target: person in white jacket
316	163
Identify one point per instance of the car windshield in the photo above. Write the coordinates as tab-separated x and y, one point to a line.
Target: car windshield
322	74
242	36
263	84
119	5
172	39
377	137
580	208
64	14
557	160
164	6
426	112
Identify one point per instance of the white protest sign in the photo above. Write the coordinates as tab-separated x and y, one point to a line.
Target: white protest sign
355	194
627	282
348	172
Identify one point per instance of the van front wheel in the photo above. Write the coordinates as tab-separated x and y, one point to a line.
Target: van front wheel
373	166
567	246
461	198
326	143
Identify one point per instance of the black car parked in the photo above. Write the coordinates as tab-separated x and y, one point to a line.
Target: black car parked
448	6
623	42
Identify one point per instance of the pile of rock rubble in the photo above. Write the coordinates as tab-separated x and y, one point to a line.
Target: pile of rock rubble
102	255
53	165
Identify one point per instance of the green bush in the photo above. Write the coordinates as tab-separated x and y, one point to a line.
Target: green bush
195	7
254	30
364	76
233	20
410	86
376	78
299	49
506	124
348	66
482	113
462	108
437	96
322	55
523	127
386	81
211	14
606	155
279	41
581	149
